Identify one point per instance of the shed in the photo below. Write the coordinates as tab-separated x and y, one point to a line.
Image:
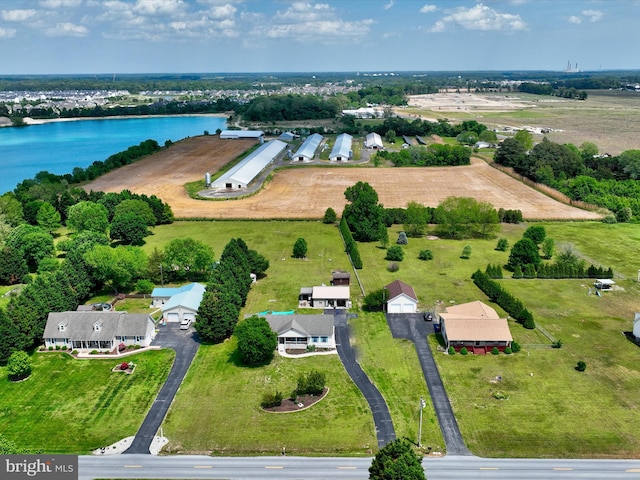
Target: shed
236	134
341	151
340	277
604	283
401	298
636	326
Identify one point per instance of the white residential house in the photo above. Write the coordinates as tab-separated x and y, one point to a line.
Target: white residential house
298	332
95	330
401	298
325	297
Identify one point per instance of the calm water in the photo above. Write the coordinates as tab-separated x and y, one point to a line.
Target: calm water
58	147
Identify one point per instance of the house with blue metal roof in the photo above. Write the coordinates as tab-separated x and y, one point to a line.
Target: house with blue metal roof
242	174
160	296
308	149
341	151
184	305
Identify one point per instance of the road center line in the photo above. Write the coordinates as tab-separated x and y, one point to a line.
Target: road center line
202	466
132	466
563	469
273	466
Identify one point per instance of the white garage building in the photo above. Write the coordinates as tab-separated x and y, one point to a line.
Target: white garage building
373	140
250	167
184	305
401	298
307	150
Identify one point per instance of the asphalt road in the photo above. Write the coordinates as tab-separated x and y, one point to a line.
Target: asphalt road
414	328
185	344
381	416
314	468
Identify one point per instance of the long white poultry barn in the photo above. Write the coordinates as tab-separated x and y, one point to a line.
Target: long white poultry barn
241	175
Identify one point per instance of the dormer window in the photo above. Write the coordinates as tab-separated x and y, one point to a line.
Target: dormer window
97	327
62	327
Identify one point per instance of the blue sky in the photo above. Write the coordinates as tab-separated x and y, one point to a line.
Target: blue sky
150	36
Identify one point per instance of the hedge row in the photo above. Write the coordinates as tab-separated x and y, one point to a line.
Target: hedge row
508	302
561	270
351	246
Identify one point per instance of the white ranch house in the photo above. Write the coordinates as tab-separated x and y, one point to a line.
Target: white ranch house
102	331
325	297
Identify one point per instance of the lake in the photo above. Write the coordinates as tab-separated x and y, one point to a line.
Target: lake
59	147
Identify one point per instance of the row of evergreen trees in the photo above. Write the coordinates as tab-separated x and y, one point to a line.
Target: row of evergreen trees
552	270
227	290
351	246
508	302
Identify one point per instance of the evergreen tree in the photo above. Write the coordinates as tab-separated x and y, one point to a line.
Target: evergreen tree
300	248
396	461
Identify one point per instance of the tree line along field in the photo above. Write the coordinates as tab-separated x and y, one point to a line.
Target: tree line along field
554	412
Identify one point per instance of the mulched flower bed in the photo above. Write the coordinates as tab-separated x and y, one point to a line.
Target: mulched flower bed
289	405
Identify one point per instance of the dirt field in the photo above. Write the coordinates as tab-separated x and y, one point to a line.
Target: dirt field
307	192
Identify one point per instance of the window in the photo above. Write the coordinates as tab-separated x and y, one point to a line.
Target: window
324	339
314	339
97	327
62	327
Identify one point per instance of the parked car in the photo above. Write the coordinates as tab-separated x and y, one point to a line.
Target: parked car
428	316
185	324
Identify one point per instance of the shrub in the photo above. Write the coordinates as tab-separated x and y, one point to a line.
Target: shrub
402	239
503	245
124	366
93	352
50	348
144	286
374	301
515	347
395	253
581	366
464	351
75	352
466	252
425	255
270	400
57	347
451	351
507	350
19	365
495	351
329	216
609	219
393	267
310	384
121	347
557	344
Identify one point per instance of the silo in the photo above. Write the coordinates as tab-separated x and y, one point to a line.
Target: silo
207	179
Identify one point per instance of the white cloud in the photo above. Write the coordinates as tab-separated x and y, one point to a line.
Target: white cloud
53	4
480	17
575	19
389	4
158	7
428	8
593	15
7	32
17	15
67	29
222	11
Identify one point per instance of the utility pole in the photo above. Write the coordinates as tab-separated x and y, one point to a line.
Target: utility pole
161	276
422	405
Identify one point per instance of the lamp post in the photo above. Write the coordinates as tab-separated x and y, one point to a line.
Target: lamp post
422	405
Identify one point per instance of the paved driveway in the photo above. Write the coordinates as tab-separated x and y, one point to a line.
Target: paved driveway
185	343
381	416
413	327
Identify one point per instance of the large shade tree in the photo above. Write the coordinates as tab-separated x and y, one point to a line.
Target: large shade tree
256	341
396	461
363	214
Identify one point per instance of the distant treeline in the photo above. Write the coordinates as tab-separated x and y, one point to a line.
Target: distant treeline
432	155
554	90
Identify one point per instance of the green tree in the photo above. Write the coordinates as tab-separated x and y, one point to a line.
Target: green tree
256	341
311	384
364	214
33	242
13	266
462	217
416	221
466	252
139	207
48	217
19	365
467	138
502	245
118	267
129	228
536	233
548	247
629	161
488	136
396	461
11	209
88	216
187	259
330	216
525	139
374	301
510	153
300	248
523	252
390	136
425	255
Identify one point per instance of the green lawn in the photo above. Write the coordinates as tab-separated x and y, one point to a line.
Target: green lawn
75	406
551	410
217	409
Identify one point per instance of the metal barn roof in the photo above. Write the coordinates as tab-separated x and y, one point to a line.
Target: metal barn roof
342	148
241	134
245	171
309	147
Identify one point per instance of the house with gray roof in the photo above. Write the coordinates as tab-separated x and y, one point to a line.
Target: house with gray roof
298	332
341	151
307	150
184	305
241	175
102	331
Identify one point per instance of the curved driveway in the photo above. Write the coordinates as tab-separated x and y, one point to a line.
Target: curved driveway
381	416
185	344
414	328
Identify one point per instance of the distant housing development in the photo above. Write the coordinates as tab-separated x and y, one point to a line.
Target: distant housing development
241	175
307	150
341	151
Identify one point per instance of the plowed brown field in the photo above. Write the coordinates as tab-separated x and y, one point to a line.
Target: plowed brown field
307	192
